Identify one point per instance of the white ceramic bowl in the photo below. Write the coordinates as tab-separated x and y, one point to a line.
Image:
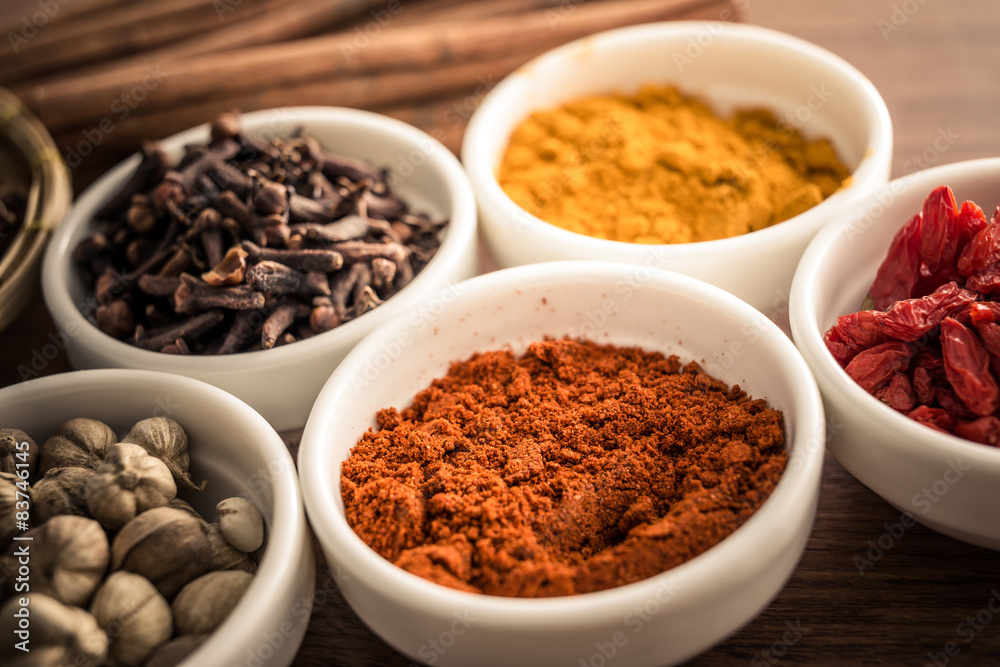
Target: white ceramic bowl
947	483
281	383
688	608
237	453
730	65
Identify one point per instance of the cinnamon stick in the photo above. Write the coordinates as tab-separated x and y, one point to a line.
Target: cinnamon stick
379	90
109	34
175	29
297	19
298	68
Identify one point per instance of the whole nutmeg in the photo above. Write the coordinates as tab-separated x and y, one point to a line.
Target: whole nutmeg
134	614
175	651
165	439
128	482
61	491
224	555
78	443
204	604
167	546
9	507
68	558
18	452
59	634
241	523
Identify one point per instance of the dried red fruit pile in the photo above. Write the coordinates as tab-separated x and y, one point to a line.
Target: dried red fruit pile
931	349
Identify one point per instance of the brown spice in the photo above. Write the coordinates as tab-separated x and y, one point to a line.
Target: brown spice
240	224
574	468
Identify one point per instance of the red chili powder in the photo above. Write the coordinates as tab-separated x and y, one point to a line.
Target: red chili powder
574	468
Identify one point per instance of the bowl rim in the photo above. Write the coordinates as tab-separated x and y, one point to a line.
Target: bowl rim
800	479
49	197
484	182
58	272
287	531
803	315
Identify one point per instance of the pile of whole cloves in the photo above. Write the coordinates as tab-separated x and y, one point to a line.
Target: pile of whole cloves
246	244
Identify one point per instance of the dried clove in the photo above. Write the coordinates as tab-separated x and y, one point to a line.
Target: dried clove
274	278
229	270
194	294
225	250
190	328
274	326
325	261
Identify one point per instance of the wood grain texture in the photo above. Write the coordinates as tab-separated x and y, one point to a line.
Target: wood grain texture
936	65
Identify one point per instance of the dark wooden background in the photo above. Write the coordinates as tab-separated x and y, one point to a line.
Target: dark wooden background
936	63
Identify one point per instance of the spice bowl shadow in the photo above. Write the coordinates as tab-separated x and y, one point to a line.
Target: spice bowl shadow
731	67
947	483
236	453
660	620
280	383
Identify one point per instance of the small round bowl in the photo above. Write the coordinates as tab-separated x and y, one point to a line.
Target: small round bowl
281	383
30	161
731	66
687	608
947	483
237	453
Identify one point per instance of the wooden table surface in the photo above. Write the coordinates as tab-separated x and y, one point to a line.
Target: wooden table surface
867	592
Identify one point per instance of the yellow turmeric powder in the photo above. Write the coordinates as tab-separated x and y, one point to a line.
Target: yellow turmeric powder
661	167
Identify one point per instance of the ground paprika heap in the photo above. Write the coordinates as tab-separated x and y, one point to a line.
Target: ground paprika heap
572	468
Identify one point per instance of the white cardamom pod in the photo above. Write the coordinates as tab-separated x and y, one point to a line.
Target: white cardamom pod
204	604
128	482
69	556
224	555
17	448
241	523
166	545
60	634
61	491
8	506
79	443
175	651
165	439
134	614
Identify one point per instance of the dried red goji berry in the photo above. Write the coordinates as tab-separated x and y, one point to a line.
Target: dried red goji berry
985	311
949	400
985	430
967	365
938	232
900	270
986	281
970	221
853	333
898	394
935	418
989	333
981	252
910	319
930	360
873	368
923	385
